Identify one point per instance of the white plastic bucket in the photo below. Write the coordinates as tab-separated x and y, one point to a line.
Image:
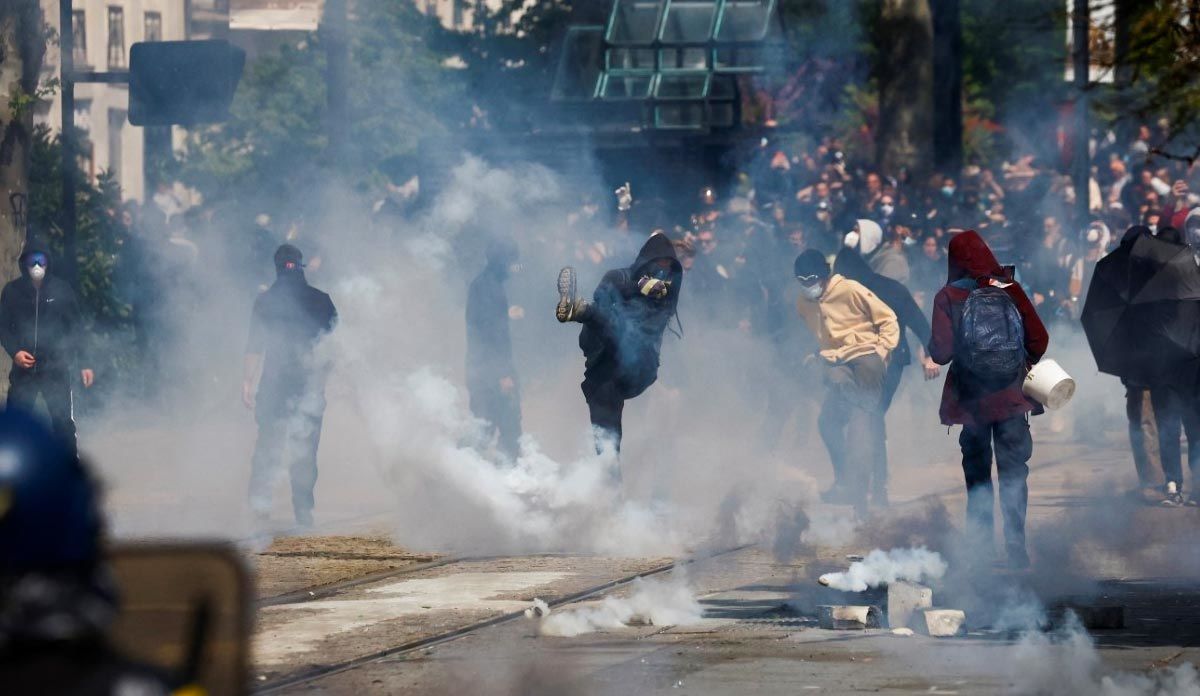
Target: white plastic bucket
1049	385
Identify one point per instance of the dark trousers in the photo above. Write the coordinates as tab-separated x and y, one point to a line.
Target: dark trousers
502	411
891	382
1143	437
851	422
54	386
605	404
1175	415
1013	447
289	434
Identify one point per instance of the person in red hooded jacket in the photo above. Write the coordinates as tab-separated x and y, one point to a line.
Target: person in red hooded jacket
990	415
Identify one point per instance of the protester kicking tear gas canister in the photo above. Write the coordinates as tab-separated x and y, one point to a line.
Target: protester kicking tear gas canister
622	333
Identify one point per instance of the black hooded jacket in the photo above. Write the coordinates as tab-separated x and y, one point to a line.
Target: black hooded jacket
43	321
288	320
851	264
623	345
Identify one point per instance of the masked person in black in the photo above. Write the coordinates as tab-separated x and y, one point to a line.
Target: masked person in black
622	331
491	375
41	329
288	320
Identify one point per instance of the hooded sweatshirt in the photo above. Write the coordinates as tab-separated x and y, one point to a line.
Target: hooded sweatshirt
970	262
43	321
850	322
893	293
623	344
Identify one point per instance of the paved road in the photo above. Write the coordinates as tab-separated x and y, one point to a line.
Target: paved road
758	633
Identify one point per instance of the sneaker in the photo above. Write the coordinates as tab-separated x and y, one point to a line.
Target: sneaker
1193	500
1172	497
569	307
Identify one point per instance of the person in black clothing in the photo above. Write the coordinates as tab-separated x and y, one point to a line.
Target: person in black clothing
491	375
41	329
288	320
57	599
852	265
622	331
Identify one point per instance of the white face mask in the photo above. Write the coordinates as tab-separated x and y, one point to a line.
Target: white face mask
909	241
812	293
887	210
1093	236
37	272
852	239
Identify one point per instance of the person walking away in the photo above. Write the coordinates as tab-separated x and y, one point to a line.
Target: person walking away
41	330
987	330
491	375
856	335
851	265
287	322
622	332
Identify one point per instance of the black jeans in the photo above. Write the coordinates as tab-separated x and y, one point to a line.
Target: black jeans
1013	448
605	404
54	386
289	434
851	422
1173	414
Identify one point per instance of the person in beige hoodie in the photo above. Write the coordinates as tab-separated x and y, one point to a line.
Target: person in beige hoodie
856	334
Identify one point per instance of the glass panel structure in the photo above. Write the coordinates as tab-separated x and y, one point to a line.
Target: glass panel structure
683	59
627	85
744	20
682	85
629	59
688	21
634	22
579	66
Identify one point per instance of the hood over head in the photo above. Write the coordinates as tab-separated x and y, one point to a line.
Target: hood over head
1105	234
870	236
851	264
289	263
1191	226
970	257
32	246
658	246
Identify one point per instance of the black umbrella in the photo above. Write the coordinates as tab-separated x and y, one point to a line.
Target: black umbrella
1142	313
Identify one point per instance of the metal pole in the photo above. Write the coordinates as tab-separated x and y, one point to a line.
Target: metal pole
66	32
1081	165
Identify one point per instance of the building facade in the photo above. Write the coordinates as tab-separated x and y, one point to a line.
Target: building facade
104	31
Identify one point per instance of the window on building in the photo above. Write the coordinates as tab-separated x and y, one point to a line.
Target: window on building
152	29
116	128
79	29
116	37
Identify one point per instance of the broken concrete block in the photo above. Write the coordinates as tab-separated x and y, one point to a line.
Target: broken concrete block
904	599
942	623
904	632
849	617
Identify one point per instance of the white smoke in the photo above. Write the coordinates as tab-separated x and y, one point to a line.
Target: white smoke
883	567
1066	662
661	603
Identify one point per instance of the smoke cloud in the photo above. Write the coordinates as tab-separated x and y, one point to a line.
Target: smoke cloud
657	602
883	567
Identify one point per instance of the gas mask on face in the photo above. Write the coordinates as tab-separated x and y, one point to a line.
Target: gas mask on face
653	287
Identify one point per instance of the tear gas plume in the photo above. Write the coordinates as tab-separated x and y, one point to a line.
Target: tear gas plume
883	567
1066	662
659	602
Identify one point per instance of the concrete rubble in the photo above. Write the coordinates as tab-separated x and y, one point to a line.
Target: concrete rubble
849	617
942	623
904	599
